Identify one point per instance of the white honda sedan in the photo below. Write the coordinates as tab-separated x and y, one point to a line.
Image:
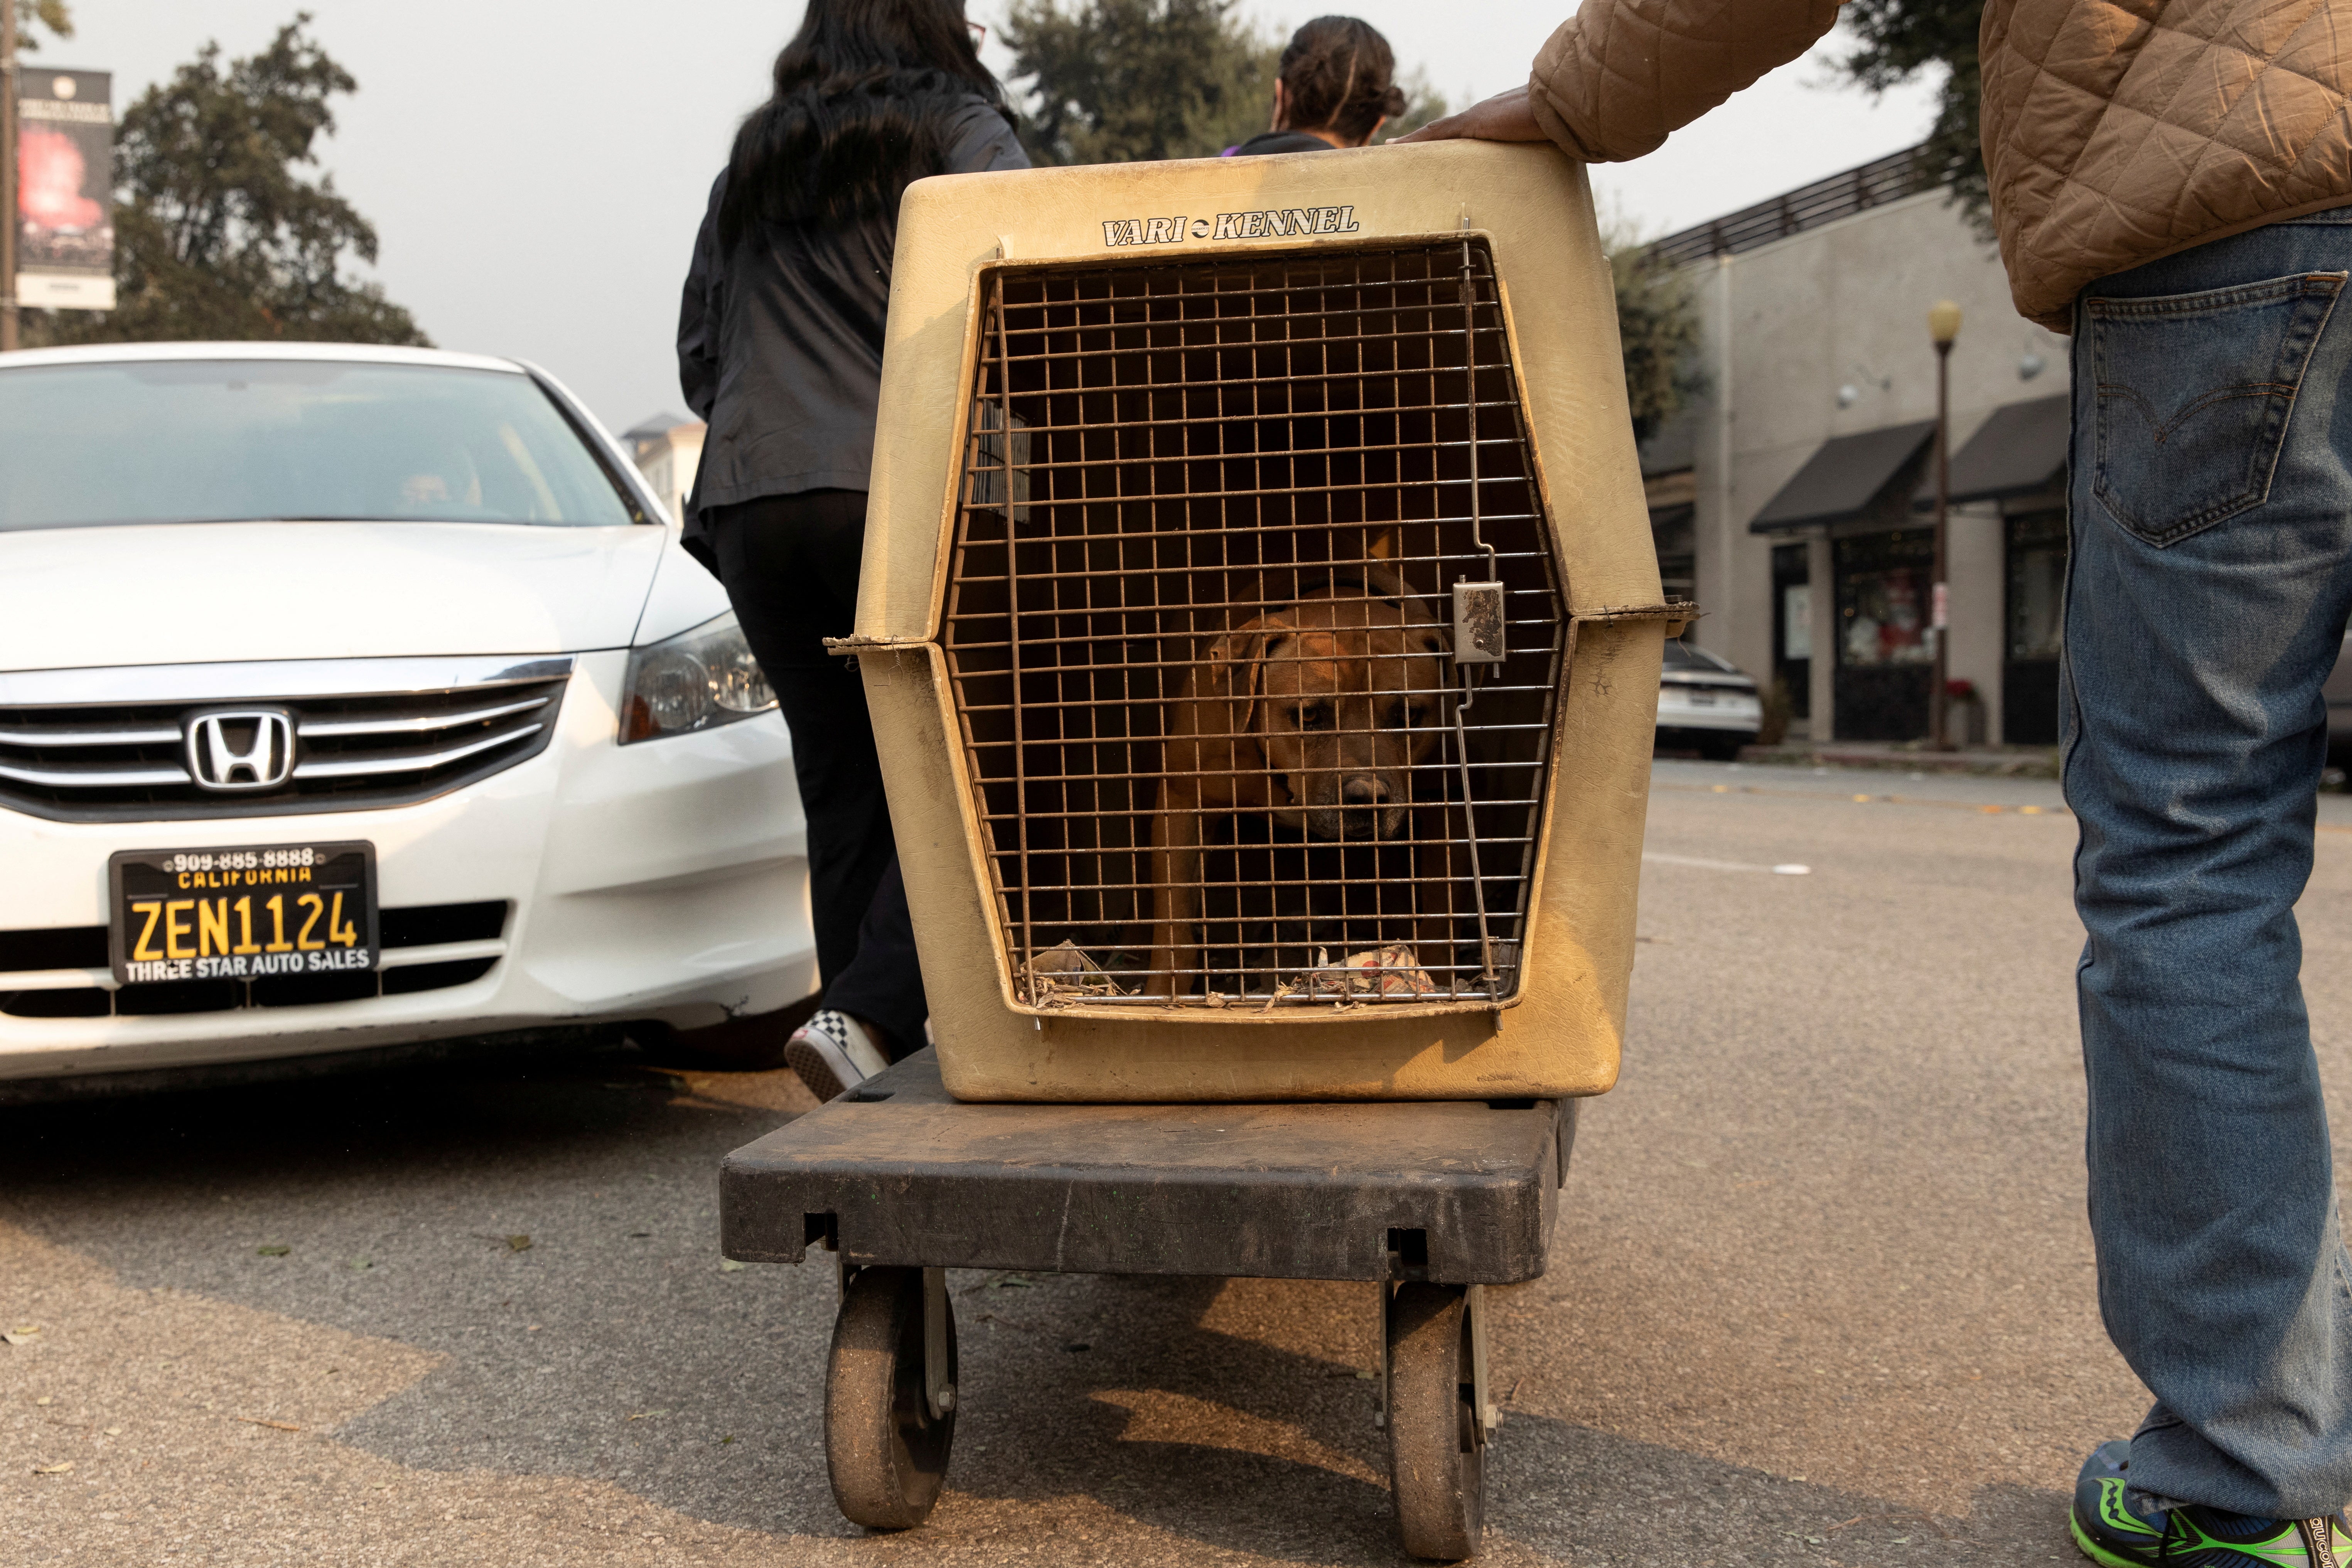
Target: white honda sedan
357	697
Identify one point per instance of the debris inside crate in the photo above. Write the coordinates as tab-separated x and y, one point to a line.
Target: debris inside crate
1068	972
1376	971
1067	969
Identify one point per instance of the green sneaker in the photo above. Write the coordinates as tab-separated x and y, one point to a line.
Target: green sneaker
2119	1525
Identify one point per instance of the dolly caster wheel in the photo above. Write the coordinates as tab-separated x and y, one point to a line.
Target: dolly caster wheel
1437	1445
889	1397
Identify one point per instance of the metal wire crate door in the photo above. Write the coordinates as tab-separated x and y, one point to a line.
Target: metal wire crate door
1229	746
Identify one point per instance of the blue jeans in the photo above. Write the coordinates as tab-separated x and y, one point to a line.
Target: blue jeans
2211	500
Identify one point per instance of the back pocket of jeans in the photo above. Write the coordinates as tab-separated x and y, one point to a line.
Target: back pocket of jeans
2194	393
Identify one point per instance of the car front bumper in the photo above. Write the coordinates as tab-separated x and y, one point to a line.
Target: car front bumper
1680	708
663	881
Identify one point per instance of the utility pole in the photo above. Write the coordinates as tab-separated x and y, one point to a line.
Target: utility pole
1943	326
8	223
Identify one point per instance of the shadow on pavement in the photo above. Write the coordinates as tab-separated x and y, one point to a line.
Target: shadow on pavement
552	1231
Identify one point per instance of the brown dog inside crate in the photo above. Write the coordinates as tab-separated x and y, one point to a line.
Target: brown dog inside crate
1297	759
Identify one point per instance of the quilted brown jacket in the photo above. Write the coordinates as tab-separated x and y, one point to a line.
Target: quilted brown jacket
2115	132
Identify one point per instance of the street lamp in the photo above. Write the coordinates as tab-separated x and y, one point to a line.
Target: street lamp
1943	326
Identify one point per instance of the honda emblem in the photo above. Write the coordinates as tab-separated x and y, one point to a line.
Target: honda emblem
240	749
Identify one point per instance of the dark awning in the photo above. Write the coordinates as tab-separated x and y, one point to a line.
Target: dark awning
2020	450
1843	478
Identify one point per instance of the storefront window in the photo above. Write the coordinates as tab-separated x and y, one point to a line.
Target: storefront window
1792	660
2037	583
1883	592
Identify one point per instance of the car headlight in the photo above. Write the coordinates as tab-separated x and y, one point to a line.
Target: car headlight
698	680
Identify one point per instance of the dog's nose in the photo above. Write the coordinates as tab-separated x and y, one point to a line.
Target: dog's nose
1363	792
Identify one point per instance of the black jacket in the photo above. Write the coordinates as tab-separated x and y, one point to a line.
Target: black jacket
779	341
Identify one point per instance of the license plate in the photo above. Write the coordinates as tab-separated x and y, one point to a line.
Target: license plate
1702	698
241	914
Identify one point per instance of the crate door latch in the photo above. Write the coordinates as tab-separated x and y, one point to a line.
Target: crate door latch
1477	623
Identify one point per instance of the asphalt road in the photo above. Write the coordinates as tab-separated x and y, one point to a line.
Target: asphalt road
1821	1292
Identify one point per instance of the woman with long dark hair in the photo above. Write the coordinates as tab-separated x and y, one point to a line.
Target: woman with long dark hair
780	349
1333	87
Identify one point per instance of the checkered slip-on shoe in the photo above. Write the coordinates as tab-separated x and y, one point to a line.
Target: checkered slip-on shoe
832	1053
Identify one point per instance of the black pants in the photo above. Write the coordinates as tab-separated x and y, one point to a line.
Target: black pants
790	564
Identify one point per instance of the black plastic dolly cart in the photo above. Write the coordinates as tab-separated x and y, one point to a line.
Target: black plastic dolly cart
1432	1200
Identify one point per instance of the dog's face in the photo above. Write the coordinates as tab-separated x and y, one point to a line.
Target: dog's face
1347	701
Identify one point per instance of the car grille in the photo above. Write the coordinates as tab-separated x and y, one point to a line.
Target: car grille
411	932
118	762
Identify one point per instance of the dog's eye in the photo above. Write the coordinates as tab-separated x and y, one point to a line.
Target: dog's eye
1406	715
1316	716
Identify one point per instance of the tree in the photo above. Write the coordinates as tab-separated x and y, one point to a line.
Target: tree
1121	82
218	235
1658	325
54	14
1898	39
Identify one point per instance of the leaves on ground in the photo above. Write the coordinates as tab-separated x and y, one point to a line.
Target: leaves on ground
272	1250
517	1242
58	1468
729	1266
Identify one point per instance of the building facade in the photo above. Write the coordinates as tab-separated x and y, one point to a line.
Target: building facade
668	451
1794	501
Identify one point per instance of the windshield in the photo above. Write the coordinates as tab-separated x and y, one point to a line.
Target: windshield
1680	655
299	440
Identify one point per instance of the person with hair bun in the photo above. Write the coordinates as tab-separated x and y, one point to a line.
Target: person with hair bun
1336	88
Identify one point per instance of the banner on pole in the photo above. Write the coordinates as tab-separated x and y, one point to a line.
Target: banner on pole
65	189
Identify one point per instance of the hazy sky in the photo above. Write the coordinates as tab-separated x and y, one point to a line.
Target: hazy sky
536	168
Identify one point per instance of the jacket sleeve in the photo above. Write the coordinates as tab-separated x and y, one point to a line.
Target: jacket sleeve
980	139
701	314
1620	74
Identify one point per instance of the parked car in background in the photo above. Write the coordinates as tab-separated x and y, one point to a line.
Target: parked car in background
1705	702
354	697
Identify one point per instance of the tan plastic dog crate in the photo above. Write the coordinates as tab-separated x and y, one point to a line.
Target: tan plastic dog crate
1262	629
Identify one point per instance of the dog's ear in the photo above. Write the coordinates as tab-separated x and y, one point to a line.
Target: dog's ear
1234	664
1415	612
1385	578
